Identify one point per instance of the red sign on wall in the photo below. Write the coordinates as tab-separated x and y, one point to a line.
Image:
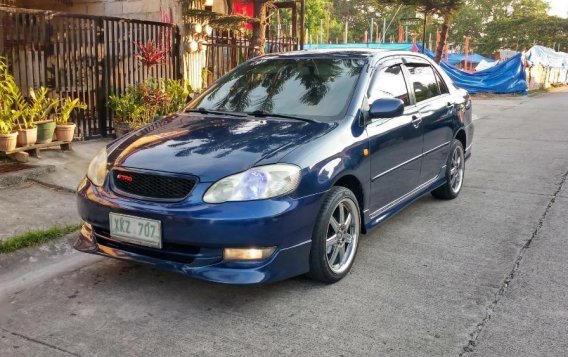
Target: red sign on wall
242	8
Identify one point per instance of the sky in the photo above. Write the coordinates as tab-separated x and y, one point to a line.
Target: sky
558	8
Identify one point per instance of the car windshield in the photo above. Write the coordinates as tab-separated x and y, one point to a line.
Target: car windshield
314	88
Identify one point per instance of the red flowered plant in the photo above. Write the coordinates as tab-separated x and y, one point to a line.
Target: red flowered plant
150	55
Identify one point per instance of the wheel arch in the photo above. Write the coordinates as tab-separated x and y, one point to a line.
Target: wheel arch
462	137
352	183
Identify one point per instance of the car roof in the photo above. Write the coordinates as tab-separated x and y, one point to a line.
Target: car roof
351	53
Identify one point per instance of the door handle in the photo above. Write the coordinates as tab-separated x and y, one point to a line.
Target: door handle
416	120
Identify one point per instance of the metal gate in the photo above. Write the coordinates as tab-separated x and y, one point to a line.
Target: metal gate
86	57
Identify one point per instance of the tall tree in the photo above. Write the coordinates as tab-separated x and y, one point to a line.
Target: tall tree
258	38
358	15
446	9
521	33
491	21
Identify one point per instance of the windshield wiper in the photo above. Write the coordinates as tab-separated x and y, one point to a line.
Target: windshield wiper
265	114
217	112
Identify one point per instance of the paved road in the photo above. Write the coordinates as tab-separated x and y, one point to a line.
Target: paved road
481	275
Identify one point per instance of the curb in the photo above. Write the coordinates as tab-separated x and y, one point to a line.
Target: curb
33	265
18	177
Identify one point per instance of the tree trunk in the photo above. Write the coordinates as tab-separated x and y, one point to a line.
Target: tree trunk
443	37
229	7
258	38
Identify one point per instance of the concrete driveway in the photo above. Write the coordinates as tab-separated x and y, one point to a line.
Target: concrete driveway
482	275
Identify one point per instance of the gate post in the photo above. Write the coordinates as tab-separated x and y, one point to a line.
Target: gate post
101	84
176	52
49	64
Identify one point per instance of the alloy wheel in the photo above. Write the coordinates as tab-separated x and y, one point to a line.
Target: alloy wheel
342	236
457	169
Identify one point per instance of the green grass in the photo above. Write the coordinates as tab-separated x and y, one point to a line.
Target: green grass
32	238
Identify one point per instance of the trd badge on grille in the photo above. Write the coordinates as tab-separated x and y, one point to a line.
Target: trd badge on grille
123	177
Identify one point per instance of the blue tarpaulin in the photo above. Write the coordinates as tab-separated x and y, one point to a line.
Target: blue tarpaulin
506	77
456	58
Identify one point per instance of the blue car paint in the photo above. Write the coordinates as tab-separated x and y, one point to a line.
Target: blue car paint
327	153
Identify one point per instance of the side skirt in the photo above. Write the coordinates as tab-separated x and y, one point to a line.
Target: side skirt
374	219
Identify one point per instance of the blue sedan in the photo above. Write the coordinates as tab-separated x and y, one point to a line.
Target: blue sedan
279	167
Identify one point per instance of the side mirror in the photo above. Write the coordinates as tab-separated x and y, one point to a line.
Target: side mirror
386	108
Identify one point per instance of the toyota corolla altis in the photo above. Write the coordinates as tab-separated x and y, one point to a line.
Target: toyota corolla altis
279	167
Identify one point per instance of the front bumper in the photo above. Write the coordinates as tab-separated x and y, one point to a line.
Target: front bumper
194	234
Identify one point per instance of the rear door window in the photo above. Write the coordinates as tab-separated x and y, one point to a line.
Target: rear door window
389	83
423	81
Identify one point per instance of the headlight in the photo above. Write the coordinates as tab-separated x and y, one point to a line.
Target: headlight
97	170
258	183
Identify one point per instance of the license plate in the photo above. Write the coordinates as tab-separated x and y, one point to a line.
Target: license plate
136	230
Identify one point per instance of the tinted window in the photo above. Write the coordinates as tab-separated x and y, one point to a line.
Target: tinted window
442	84
390	83
423	81
318	88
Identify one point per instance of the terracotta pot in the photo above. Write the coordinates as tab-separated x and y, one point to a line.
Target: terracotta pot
45	130
121	129
8	141
65	133
27	137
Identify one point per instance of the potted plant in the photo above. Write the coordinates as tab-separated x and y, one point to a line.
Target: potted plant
42	107
8	136
65	129
176	94
27	130
19	108
128	111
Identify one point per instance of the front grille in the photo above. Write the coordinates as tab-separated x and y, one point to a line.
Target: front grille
151	186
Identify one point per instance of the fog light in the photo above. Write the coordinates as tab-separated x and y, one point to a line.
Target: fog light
248	253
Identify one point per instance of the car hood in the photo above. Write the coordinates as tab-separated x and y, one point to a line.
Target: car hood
212	147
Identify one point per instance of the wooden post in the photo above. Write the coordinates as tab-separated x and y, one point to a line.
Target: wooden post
327	29
400	33
466	52
377	34
321	31
371	29
384	28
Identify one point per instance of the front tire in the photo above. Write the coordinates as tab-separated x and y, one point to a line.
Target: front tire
455	170
336	236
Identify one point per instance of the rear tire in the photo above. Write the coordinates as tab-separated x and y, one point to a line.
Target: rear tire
455	173
336	236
